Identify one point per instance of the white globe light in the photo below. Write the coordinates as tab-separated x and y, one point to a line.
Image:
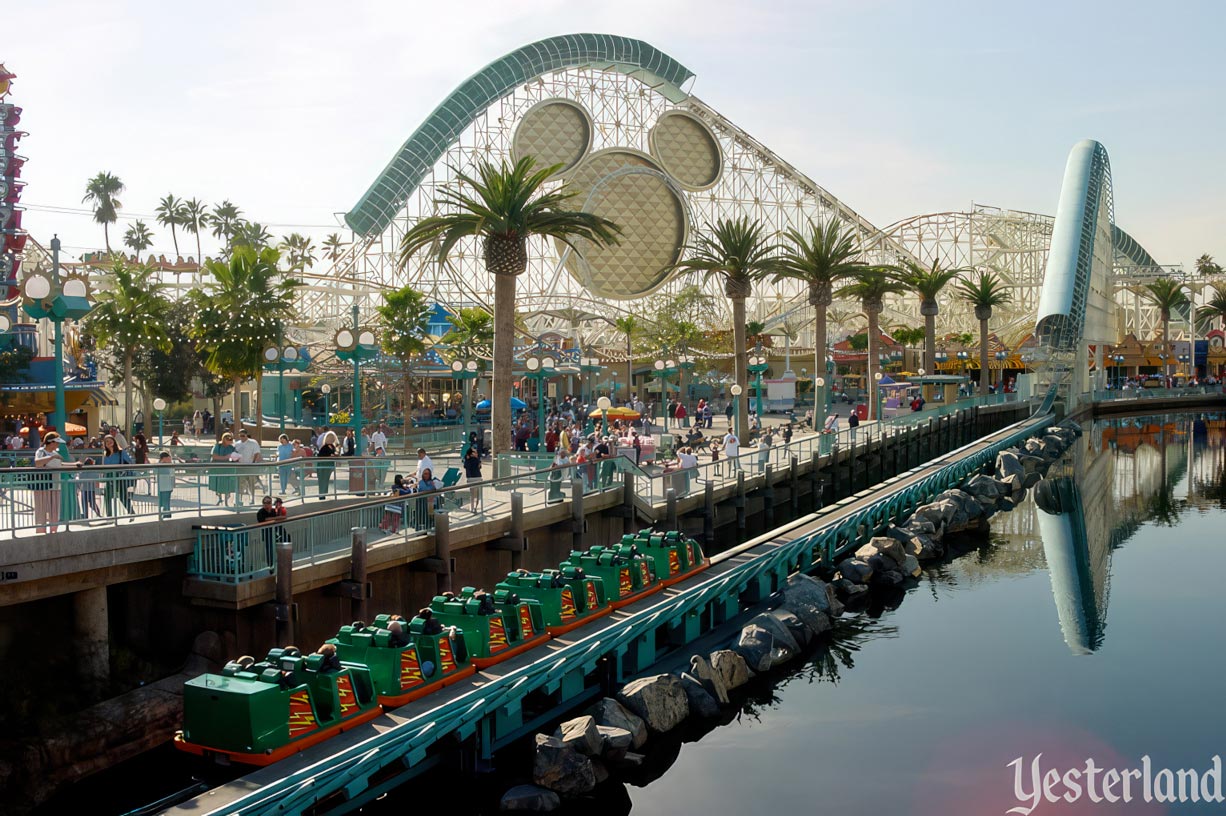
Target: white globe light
672	363
344	339
533	363
75	287
290	354
604	403
877	376
36	287
472	366
457	366
922	372
5	323
159	404
325	389
270	354
821	382
659	365
366	338
548	363
736	390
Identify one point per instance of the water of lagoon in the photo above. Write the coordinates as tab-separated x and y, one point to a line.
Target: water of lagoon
1089	626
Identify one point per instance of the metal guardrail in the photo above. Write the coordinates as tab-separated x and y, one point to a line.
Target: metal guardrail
71	497
245	552
1114	394
374	765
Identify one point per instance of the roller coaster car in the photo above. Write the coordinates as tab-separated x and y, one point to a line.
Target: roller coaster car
627	574
402	674
681	555
567	598
491	634
260	713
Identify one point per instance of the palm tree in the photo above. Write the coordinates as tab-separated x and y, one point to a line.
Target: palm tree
1166	295
403	319
1206	266
299	251
985	291
928	283
127	318
225	219
870	287
824	256
101	192
138	237
333	247
253	234
504	207
629	326
240	312
737	251
1214	309
755	332
170	214
193	217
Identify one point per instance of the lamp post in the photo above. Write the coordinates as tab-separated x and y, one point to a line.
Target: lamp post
963	357
540	368
664	370
877	379
757	365
277	358
57	300
589	366
686	363
159	405
819	404
466	371
604	403
1001	356
326	389
736	415
355	345
1184	359
1118	359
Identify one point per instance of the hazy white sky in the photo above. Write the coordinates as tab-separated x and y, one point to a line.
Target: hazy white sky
290	109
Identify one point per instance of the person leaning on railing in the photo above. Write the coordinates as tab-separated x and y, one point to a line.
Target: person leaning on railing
46	485
325	467
118	483
223	481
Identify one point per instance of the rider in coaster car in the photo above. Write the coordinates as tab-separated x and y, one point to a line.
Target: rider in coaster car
331	662
486	605
430	625
399	638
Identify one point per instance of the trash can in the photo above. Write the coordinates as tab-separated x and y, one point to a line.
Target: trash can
360	475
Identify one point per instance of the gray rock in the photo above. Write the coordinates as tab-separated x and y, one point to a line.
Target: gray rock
561	768
731	668
885	546
982	487
1015	483
803	593
778	629
659	700
912	567
798	629
581	734
890	577
1032	464
711	680
612	714
701	703
530	798
932	514
756	645
600	771
1008	464
920	526
1031	479
856	570
970	505
615	742
930	548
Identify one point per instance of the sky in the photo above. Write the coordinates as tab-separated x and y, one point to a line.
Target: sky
291	109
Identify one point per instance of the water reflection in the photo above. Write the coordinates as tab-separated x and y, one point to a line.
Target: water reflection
1078	578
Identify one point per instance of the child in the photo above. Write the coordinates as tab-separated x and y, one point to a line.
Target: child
392	512
166	483
88	482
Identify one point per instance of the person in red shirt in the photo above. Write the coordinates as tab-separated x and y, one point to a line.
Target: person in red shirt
551	439
681	413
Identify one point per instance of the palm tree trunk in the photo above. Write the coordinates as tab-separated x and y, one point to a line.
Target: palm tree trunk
1166	344
871	368
741	368
930	344
408	404
504	361
819	360
199	259
238	386
216	417
106	235
983	357
127	393
175	237
629	370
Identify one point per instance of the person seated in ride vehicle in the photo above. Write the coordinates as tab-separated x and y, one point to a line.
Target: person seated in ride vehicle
331	662
430	625
399	638
486	603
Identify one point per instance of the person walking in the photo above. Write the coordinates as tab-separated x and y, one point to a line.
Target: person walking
732	450
853	422
198	423
248	451
325	468
46	485
764	449
472	475
165	483
729	410
118	482
285	452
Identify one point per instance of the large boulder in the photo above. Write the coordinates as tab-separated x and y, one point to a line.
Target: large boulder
798	629
778	628
884	546
982	487
702	671
658	700
970	505
530	798
912	567
1032	464
1008	463
1015	483
614	742
761	649
888	578
582	734
561	768
612	714
731	668
856	570
700	702
804	594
